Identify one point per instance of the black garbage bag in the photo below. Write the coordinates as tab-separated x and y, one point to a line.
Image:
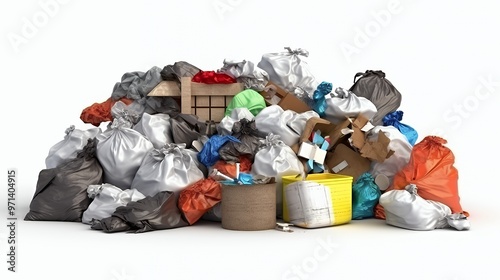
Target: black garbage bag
381	92
246	131
186	128
156	212
162	105
61	192
178	70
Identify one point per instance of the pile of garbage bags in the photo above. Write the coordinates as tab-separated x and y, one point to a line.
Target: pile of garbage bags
145	165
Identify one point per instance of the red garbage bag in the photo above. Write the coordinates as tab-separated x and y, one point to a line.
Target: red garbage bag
229	168
196	199
97	113
212	77
431	168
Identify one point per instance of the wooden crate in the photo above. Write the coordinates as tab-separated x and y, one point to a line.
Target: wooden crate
207	101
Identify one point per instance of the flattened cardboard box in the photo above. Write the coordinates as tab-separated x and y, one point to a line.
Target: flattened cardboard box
344	160
275	95
314	124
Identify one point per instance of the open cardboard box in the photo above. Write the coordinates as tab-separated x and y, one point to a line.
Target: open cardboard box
275	95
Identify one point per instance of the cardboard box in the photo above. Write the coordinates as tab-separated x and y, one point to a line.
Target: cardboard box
166	88
353	130
275	95
313	124
344	160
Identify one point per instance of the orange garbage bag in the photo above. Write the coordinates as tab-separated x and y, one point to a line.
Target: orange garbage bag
196	199
431	168
97	113
229	168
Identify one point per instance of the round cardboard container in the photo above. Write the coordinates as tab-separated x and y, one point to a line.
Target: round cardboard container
248	207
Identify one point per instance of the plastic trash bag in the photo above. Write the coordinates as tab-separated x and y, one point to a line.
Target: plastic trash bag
174	72
61	192
196	199
209	154
288	124
121	150
276	159
394	119
156	128
365	196
98	113
375	87
342	104
406	209
187	128
162	105
66	149
136	85
105	199
156	212
225	126
212	77
249	99
246	72
431	169
289	71
170	168
229	168
249	140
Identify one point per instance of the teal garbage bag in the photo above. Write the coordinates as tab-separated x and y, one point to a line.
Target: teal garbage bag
365	196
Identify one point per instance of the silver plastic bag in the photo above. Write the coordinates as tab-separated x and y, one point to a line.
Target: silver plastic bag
225	126
288	124
105	199
290	71
343	103
66	149
276	159
170	168
156	128
406	209
120	151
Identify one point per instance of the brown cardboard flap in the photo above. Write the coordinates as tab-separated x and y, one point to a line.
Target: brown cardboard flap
275	95
312	125
377	150
343	156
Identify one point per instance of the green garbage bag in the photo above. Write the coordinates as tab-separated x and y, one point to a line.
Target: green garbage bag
249	99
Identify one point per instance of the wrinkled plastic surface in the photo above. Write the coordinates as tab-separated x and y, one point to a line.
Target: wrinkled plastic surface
249	99
343	103
395	119
61	192
105	199
375	87
137	84
167	169
196	199
288	124
365	195
225	126
156	128
431	169
289	70
209	154
246	72
212	77
98	113
67	149
406	209
156	212
249	140
120	151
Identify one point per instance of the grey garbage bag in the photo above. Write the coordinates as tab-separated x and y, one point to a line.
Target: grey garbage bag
246	72
375	87
136	85
105	199
61	192
187	128
156	212
66	149
250	137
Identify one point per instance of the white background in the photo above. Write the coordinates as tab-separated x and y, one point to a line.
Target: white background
437	53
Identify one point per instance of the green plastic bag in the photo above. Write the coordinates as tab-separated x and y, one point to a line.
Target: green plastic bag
248	98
